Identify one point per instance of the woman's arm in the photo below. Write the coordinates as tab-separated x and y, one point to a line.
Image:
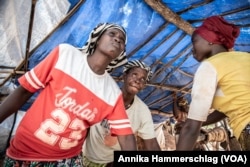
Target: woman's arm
214	117
14	102
151	144
188	135
127	142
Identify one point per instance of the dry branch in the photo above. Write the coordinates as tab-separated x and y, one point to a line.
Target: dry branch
170	16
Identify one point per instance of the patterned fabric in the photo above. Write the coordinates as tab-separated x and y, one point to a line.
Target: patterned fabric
95	34
88	163
138	63
244	138
72	162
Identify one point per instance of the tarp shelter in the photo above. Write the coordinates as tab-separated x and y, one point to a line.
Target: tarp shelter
158	33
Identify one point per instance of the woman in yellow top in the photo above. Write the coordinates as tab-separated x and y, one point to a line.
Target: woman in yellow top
222	82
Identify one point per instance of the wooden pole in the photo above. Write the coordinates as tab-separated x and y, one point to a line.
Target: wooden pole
170	16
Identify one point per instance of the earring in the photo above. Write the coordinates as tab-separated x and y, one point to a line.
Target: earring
210	43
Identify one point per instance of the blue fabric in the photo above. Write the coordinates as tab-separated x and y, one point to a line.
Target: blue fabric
141	22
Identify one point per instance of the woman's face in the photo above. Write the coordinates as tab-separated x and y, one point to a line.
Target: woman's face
201	47
112	42
135	80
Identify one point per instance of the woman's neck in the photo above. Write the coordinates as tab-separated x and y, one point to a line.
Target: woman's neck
97	66
127	99
218	49
128	103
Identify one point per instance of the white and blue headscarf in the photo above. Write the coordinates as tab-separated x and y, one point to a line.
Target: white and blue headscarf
137	63
95	34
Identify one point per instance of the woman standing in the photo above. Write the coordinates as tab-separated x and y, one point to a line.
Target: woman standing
75	93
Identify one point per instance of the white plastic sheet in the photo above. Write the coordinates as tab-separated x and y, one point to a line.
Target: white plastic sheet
14	28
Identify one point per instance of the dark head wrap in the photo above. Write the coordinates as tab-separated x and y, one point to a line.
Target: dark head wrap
95	34
216	29
138	63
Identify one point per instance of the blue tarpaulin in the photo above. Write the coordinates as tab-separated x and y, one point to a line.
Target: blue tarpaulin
151	38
